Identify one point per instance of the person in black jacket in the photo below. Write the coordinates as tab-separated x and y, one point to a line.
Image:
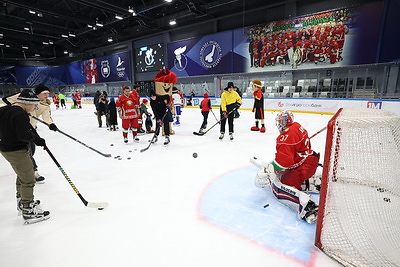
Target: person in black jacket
102	108
15	134
159	106
112	114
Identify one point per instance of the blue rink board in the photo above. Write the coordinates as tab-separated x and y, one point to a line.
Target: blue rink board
234	203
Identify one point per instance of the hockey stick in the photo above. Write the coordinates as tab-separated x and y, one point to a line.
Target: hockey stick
158	126
214	115
218	122
320	131
98	205
73	138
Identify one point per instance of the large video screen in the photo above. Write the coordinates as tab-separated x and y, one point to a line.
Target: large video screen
149	58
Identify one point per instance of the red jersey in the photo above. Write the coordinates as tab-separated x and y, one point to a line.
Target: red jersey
292	146
55	98
128	107
78	97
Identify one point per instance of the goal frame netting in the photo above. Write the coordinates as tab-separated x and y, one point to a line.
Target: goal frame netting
359	207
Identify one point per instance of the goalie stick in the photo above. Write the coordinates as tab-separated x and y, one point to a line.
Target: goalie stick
73	138
218	122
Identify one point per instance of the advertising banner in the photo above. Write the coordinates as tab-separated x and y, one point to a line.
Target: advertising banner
114	68
211	54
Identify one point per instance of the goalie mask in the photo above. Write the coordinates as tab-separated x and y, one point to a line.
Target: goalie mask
284	119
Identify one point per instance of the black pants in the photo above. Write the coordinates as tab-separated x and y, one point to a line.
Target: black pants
205	118
230	122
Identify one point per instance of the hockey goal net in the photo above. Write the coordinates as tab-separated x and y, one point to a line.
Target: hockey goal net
359	209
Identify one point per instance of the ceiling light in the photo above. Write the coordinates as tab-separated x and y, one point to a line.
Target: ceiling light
99	24
1	35
168	1
39	14
1	44
37	55
172	22
26	28
7	45
90	26
45	43
50	42
64	35
110	39
72	35
118	17
65	52
25	47
32	12
131	10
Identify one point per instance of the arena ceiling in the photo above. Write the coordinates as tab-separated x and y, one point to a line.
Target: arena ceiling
48	29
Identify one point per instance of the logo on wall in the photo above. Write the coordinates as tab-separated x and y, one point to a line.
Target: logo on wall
105	68
374	104
149	57
180	60
120	68
210	54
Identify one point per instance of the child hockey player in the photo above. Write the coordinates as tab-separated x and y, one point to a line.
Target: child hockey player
258	106
177	105
148	123
56	100
128	110
294	163
205	106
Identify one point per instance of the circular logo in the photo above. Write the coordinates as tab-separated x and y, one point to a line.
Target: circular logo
210	54
180	62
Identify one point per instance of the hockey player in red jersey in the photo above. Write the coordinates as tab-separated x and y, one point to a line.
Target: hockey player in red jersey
78	98
56	100
295	162
128	110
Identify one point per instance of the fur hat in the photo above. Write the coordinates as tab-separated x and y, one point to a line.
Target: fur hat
205	95
257	83
41	88
27	96
166	76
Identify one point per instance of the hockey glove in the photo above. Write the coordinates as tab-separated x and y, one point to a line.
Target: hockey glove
225	114
40	142
53	127
160	122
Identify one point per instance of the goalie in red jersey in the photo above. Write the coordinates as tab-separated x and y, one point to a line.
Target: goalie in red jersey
294	164
128	110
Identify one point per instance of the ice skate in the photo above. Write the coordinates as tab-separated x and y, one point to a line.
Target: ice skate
311	212
154	139
33	213
136	139
231	136
39	179
125	140
221	136
166	142
37	202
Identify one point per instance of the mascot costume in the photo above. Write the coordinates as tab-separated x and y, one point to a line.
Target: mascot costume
258	107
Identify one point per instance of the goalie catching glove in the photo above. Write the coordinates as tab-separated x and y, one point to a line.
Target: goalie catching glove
266	175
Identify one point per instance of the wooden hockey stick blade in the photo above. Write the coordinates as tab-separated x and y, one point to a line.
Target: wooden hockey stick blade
97	205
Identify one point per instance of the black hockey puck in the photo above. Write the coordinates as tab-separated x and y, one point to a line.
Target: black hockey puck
266	206
128	158
119	158
130	151
194	155
100	208
111	144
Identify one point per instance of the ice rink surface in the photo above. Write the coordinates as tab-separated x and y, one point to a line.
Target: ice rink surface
166	208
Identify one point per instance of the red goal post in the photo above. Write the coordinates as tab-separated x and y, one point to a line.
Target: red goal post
359	208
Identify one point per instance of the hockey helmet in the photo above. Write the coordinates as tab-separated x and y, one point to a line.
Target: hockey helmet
284	119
